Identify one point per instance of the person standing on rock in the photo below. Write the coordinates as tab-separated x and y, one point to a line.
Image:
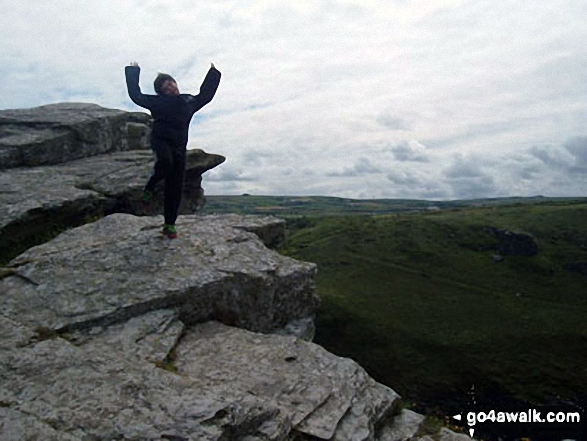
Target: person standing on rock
172	113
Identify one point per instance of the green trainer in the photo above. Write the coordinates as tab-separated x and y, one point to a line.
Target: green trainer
170	231
147	201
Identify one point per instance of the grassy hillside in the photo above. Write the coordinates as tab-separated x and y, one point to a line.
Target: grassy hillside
323	205
419	301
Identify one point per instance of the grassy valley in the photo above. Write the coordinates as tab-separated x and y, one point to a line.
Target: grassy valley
426	298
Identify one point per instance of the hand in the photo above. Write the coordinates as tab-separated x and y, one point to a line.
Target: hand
134	64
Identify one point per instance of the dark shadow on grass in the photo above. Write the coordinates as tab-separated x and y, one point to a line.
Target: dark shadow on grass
443	380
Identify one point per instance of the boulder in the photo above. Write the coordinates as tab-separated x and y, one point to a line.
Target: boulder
325	396
405	426
108	336
111	270
53	389
82	163
511	243
62	132
229	384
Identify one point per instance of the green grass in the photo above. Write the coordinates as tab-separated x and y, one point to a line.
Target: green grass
324	205
412	299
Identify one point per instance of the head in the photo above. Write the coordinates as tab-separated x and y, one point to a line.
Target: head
165	85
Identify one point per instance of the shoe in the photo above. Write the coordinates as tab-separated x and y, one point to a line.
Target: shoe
170	231
147	202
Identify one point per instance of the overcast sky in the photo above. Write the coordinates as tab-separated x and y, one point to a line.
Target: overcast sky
427	99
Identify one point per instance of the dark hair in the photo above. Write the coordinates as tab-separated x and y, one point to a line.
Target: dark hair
161	78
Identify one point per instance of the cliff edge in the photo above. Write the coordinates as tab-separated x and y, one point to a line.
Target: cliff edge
110	331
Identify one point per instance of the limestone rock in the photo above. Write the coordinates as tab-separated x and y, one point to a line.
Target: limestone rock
55	390
327	396
67	162
120	266
270	230
404	427
101	339
63	132
105	333
230	384
150	337
34	200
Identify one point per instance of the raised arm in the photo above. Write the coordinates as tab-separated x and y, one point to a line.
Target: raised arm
132	73
207	89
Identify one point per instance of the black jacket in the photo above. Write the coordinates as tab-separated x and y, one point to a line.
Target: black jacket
172	113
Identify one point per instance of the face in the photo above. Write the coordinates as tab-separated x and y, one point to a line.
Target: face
169	88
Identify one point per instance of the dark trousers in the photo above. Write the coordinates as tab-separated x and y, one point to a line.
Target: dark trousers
169	166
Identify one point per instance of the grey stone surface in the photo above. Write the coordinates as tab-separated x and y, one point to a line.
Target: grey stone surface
105	331
405	426
271	233
33	200
120	266
64	163
302	328
107	336
52	389
448	435
62	132
150	337
327	396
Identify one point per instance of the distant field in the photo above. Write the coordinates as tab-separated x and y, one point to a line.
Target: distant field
418	299
322	205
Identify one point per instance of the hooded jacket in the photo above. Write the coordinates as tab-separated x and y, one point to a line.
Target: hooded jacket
172	113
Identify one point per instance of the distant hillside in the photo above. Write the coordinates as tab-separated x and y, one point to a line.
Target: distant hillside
323	205
436	303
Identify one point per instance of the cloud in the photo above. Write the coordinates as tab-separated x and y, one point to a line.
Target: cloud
462	167
393	122
474	188
230	175
469	178
404	179
410	151
354	98
578	148
362	166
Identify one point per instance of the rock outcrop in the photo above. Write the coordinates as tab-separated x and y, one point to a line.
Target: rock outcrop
92	320
110	331
99	162
63	132
132	336
511	243
113	269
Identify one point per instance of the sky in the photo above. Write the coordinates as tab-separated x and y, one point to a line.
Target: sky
423	99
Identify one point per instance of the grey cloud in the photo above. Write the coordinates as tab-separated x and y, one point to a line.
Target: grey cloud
464	168
363	166
229	175
469	180
570	158
409	185
473	187
409	151
257	157
548	156
392	122
578	148
404	179
529	172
